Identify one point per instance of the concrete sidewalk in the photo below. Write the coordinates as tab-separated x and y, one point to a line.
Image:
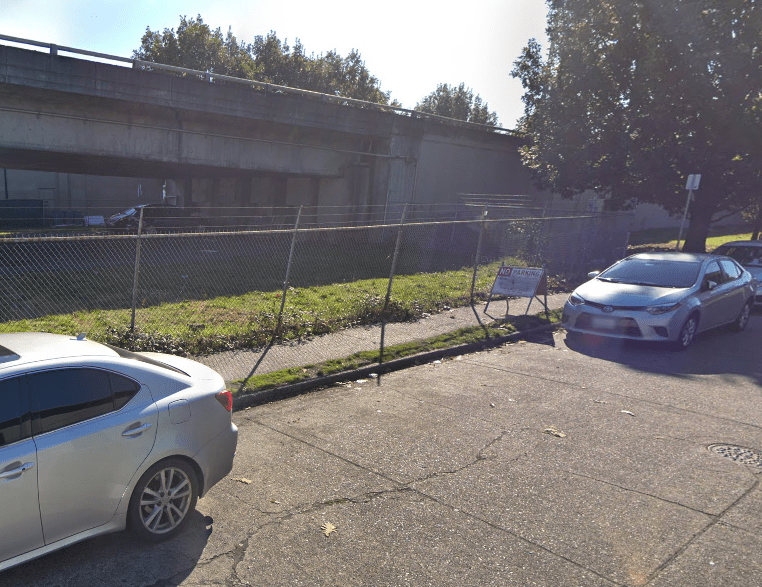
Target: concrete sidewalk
234	365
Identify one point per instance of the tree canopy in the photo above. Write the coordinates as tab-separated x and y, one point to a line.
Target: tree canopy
268	59
634	96
457	102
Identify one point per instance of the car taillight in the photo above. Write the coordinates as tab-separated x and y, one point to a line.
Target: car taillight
226	399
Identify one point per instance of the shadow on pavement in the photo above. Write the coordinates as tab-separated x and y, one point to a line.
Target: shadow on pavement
117	559
717	352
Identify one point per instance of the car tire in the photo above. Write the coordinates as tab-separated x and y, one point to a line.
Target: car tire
687	333
573	336
743	318
163	500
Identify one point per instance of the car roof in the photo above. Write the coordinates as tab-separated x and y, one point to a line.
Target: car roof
29	347
674	256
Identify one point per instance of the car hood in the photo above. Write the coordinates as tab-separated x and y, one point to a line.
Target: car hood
624	294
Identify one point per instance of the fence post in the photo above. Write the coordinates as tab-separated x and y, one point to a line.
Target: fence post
288	271
137	271
478	253
389	287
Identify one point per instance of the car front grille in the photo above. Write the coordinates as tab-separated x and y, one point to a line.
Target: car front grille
623	308
609	325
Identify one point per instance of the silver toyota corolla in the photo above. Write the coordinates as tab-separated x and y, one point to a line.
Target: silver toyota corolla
94	439
662	297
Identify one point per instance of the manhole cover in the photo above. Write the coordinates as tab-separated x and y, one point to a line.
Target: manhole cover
739	454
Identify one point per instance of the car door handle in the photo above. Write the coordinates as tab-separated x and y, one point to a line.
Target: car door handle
136	431
14	472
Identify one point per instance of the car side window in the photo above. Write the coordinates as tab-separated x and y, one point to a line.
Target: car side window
63	397
713	273
124	390
731	269
14	411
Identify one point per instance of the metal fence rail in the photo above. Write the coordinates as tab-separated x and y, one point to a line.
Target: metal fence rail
254	301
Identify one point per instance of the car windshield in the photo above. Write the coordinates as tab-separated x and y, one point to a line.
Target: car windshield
743	254
651	272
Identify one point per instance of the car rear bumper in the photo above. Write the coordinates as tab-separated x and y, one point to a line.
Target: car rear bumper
216	458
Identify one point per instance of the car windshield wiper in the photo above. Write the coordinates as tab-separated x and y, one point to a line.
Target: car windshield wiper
626	282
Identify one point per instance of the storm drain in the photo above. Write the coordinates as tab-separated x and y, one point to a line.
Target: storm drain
739	454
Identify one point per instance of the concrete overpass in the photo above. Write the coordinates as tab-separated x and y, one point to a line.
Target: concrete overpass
226	142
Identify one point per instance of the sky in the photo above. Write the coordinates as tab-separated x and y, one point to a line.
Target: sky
410	46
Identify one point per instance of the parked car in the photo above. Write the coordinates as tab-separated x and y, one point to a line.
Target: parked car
94	439
749	255
662	297
155	216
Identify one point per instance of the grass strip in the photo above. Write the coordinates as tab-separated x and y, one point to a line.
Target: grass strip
459	337
667	237
203	326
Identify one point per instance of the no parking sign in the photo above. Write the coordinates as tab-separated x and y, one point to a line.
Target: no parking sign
520	282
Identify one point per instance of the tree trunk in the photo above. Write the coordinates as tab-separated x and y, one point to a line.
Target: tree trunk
757	223
701	212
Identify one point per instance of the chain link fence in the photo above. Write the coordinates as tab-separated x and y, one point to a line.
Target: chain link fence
255	301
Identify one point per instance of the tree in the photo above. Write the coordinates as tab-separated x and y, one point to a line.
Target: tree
459	103
635	96
196	46
268	59
328	74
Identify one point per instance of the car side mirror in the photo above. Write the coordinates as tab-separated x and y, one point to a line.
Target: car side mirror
593	274
709	285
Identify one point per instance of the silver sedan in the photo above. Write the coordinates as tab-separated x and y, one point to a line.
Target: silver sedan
662	297
94	439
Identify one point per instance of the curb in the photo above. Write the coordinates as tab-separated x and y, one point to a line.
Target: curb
294	389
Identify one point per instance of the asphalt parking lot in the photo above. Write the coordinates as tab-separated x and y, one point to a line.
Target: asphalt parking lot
531	464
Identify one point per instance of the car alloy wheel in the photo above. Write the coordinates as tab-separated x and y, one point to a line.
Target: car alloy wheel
743	317
687	333
162	500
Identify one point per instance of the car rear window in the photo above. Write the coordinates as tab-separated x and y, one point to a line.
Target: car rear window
657	273
744	255
143	359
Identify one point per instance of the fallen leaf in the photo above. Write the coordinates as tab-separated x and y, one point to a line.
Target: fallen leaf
628	413
243	480
328	528
274	501
555	432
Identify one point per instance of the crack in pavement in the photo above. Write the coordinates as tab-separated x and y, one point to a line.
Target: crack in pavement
643	493
713	522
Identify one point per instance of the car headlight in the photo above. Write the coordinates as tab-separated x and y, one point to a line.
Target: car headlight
576	300
662	309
